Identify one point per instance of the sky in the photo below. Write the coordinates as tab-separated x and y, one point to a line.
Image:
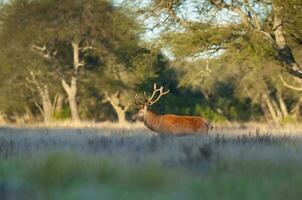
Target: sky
188	12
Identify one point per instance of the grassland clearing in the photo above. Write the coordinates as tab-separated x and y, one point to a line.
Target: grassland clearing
113	162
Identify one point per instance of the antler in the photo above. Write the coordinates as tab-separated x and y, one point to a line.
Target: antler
150	100
138	102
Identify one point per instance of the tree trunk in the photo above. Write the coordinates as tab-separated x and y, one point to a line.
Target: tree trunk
271	109
59	103
119	109
295	111
284	50
277	109
282	105
76	55
121	113
28	116
47	106
265	111
2	118
72	89
72	93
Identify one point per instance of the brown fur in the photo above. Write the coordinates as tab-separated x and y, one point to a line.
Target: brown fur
175	125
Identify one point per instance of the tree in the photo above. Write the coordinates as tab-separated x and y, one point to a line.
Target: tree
50	105
246	40
252	77
204	31
121	79
70	35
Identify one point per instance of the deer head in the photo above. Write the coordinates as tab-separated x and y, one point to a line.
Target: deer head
149	100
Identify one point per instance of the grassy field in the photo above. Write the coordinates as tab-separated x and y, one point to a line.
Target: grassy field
117	162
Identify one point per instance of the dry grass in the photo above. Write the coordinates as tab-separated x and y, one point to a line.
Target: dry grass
83	124
113	161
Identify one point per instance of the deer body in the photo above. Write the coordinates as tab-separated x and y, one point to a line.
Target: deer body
169	124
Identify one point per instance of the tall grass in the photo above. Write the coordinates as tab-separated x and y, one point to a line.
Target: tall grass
112	162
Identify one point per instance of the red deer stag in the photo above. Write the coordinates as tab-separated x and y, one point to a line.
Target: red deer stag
168	124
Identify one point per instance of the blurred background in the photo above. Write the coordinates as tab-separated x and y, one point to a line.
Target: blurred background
76	60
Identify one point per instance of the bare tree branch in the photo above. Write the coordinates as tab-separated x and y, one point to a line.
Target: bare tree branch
43	51
168	7
39	107
288	85
34	81
254	16
87	48
221	4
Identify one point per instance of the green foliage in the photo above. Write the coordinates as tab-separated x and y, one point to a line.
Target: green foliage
239	49
63	114
291	15
288	120
222	71
114	60
208	113
200	38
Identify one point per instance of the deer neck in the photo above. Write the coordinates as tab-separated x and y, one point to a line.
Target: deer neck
152	120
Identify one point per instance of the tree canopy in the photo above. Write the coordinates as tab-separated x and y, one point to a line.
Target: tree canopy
85	60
